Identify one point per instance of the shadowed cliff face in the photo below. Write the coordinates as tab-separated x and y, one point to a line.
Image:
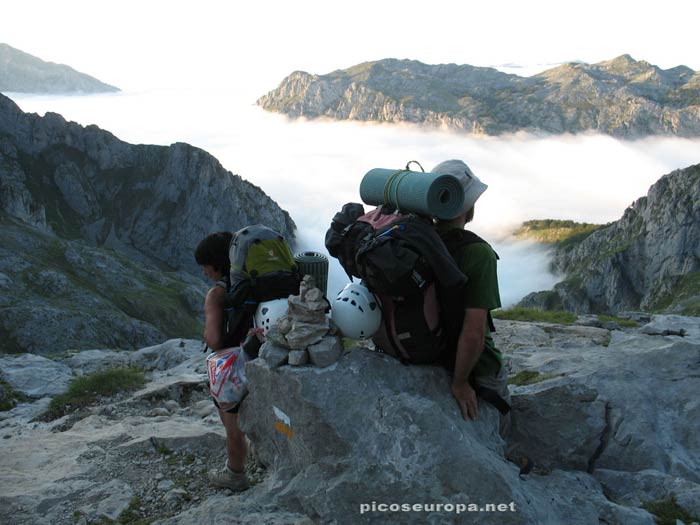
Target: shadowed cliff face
156	202
98	235
621	97
649	259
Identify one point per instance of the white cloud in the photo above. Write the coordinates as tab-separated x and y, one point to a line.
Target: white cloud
312	168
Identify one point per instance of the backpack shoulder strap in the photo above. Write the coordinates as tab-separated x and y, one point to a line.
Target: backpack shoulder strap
454	240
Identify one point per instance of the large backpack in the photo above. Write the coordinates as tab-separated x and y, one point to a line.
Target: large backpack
262	269
400	258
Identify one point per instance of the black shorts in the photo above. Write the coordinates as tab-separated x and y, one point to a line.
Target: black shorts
233	409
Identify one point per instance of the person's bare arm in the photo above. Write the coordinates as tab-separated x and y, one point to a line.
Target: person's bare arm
469	347
213	313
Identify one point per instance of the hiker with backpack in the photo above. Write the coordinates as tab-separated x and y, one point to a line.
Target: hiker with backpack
212	254
472	353
254	274
435	283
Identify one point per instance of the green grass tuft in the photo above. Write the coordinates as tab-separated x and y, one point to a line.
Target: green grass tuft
9	399
529	377
622	323
532	315
131	515
84	391
668	511
553	231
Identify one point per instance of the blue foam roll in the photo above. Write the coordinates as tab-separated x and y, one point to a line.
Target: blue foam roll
431	194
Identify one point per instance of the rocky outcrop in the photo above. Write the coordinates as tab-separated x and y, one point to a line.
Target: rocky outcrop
97	235
621	97
153	202
648	260
21	72
610	426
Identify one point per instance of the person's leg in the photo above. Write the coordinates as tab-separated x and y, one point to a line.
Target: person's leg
236	446
232	476
499	384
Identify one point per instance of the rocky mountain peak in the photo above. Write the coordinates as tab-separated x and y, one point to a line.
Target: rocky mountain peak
649	259
622	97
21	72
98	235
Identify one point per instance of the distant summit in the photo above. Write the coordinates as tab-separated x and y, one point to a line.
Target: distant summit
622	97
21	72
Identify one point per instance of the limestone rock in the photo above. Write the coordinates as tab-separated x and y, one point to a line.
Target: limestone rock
649	259
628	400
114	260
35	376
672	325
89	361
303	335
622	97
167	355
107	501
326	352
298	357
557	425
305	311
389	429
274	355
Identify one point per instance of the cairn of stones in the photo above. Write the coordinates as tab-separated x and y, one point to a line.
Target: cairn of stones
305	335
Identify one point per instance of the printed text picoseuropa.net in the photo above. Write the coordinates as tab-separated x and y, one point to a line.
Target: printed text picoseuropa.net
457	508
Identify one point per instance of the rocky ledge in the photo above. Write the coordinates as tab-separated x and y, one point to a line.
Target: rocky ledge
608	418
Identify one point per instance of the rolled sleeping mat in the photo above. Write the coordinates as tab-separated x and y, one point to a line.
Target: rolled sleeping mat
432	194
316	265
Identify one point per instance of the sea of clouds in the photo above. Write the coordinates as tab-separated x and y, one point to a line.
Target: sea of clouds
312	167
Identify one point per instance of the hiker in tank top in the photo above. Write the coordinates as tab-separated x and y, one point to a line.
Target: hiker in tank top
212	255
474	352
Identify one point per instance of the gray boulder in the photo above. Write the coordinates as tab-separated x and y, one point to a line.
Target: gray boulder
623	412
557	425
673	325
35	376
167	355
370	429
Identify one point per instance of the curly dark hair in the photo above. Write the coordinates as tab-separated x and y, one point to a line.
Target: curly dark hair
213	250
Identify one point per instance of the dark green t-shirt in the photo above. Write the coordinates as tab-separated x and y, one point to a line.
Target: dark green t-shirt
478	262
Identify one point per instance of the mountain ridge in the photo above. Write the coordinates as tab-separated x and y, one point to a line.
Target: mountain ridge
622	97
649	259
98	235
21	72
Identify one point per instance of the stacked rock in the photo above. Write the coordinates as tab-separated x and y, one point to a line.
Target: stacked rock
305	334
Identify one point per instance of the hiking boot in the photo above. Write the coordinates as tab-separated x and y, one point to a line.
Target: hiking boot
228	479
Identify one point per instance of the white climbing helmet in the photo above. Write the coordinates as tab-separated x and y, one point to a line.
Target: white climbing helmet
356	312
268	312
